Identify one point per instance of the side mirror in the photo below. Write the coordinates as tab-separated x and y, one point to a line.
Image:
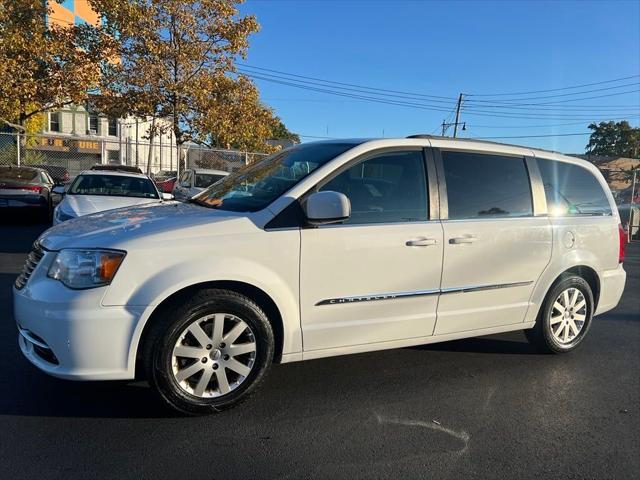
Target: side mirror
167	196
59	189
327	207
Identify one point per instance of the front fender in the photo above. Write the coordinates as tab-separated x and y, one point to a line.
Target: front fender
269	262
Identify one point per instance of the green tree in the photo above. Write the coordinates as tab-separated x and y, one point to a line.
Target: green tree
177	63
616	139
281	132
44	67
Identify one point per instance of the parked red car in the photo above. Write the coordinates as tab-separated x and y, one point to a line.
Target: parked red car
167	185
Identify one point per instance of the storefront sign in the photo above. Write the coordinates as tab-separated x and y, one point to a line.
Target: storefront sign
58	144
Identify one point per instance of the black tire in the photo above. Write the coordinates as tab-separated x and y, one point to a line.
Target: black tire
171	324
541	335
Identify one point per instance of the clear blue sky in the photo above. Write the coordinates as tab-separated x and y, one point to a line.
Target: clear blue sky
442	49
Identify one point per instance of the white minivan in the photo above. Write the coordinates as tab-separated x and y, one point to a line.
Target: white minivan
324	249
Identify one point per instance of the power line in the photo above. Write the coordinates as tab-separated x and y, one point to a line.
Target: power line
505	102
349	89
531	136
422	106
401	99
449	99
405	94
555	89
436	99
546	125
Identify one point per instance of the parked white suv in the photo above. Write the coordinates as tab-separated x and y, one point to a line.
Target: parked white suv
324	249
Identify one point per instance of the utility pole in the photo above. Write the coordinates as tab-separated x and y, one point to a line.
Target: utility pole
455	124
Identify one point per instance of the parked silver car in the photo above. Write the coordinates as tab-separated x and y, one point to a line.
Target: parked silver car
193	181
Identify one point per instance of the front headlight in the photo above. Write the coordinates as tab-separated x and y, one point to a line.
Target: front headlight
85	268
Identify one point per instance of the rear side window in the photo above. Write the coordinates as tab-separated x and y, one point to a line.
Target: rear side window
572	190
388	188
484	186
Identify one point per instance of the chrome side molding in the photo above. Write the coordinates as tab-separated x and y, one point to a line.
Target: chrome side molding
419	293
375	298
479	288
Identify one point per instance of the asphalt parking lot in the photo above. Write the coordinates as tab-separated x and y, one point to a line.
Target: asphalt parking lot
479	408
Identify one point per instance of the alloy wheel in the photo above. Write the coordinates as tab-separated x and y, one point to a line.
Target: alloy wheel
568	315
213	355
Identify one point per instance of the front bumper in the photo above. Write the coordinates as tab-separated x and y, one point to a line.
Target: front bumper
69	334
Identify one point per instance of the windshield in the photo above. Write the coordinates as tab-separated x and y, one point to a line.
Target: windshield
255	186
203	180
113	186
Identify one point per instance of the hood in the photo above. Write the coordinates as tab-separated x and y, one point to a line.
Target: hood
79	205
168	221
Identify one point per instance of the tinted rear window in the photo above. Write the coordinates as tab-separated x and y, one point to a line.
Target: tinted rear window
20	174
572	190
482	185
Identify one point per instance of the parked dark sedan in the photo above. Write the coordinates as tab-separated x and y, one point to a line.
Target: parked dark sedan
26	188
58	173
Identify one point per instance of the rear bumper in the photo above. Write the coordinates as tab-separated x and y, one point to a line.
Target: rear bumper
23	201
611	288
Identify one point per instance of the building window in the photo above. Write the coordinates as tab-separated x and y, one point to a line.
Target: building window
113	156
113	127
93	124
54	121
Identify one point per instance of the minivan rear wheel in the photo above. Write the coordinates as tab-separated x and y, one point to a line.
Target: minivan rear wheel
565	316
209	353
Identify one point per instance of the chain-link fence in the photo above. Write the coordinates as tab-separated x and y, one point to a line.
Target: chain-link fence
66	156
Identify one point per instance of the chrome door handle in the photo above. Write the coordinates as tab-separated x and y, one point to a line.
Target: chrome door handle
463	239
421	242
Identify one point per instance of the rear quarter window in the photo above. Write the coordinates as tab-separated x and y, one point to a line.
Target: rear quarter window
572	190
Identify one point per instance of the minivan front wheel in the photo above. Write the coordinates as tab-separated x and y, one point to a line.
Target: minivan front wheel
209	353
565	316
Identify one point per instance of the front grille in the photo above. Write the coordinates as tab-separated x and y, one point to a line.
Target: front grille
33	259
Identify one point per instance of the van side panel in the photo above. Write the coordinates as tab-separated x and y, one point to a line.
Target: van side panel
584	240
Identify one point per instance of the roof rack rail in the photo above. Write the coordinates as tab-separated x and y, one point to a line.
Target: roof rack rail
424	135
440	137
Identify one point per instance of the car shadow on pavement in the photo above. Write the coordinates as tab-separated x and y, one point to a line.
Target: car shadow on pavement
499	344
29	392
17	232
39	395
